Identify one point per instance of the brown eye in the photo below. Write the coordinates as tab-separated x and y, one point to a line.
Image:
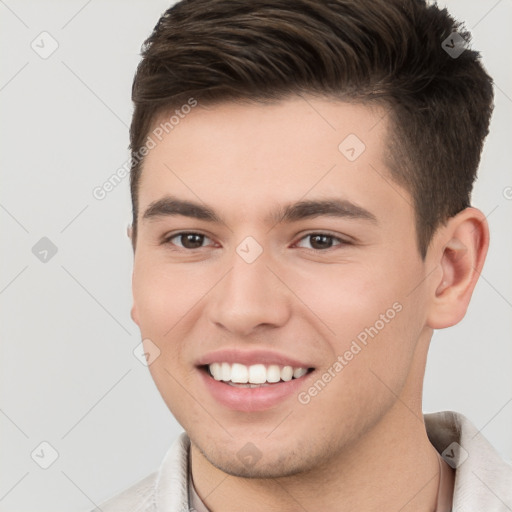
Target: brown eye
187	240
321	241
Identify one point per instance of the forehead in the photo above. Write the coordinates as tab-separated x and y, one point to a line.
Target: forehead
242	157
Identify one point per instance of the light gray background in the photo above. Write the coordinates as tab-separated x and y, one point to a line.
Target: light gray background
68	374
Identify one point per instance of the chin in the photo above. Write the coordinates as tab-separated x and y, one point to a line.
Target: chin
260	469
264	460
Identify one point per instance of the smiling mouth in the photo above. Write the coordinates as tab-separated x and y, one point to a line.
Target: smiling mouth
254	376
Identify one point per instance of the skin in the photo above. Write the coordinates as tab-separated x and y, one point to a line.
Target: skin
360	443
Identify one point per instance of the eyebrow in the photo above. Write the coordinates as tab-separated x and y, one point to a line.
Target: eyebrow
293	212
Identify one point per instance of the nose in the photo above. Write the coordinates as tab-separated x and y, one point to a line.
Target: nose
249	298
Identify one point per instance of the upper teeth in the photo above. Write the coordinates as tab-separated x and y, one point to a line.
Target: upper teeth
254	374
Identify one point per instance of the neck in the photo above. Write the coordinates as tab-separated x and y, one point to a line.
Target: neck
390	469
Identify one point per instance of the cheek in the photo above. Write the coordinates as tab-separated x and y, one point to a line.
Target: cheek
160	300
346	298
369	318
163	294
164	301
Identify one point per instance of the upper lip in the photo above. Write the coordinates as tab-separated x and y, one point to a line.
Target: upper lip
250	357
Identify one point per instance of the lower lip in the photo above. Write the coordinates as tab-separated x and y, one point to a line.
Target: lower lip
252	399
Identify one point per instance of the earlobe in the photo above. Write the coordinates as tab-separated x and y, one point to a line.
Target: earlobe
462	247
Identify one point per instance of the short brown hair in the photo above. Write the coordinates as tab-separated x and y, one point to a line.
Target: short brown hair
387	52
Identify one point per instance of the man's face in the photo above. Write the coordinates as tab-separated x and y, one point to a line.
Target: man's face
340	291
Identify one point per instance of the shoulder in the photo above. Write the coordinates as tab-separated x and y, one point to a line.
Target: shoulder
137	498
163	490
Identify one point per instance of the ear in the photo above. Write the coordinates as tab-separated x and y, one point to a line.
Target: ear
131	236
134	314
459	251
